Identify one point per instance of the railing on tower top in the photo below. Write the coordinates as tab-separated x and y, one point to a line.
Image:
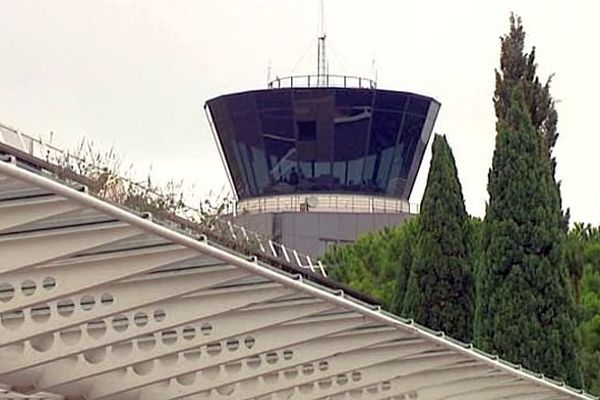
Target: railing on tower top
308	81
326	202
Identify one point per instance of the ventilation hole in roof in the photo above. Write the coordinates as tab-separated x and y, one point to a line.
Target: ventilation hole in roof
206	329
288	355
71	336
169	337
253	362
306	388
28	287
7	292
65	307
226	390
188	333
325	383
87	302
143	368
386	385
249	342
323	366
146	342
49	283
159	315
356	376
233	367
232	344
290	373
96	329
13	320
40	313
120	323
270	378
192	354
213	349
186	379
43	342
95	356
308	369
341	380
107	299
271	358
140	319
373	389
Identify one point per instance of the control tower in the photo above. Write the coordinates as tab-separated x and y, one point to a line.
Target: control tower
320	159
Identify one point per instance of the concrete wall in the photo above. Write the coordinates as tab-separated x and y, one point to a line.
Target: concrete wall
313	232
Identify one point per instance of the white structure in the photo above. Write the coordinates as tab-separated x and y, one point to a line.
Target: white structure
97	302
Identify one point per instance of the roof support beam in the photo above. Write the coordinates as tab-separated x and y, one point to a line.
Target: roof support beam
264	340
309	363
15	213
165	344
67	278
22	250
478	391
405	374
125	326
124	296
421	385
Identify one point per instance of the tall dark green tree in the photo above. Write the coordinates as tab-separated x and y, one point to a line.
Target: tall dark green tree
525	309
519	66
440	291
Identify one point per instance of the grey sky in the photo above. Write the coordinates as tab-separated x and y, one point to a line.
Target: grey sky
135	74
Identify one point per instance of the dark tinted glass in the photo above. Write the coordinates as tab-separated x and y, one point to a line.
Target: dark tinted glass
322	140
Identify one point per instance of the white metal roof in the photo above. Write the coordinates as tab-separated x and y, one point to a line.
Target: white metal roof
97	302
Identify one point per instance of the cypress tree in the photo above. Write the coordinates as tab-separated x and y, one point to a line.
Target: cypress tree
518	66
440	291
524	308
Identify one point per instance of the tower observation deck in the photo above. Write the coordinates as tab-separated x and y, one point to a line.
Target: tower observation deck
336	146
321	159
323	134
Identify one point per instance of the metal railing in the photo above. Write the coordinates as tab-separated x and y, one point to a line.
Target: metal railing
318	202
308	81
175	215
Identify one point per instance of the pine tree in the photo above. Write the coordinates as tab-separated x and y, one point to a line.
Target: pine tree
524	309
377	264
440	291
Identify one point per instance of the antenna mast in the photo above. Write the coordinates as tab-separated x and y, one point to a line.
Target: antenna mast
321	57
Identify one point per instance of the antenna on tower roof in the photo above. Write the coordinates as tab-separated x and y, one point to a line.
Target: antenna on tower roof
321	55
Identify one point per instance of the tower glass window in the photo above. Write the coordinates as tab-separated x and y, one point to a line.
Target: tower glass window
334	140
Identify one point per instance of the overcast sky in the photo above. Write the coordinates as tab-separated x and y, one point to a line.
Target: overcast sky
135	74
